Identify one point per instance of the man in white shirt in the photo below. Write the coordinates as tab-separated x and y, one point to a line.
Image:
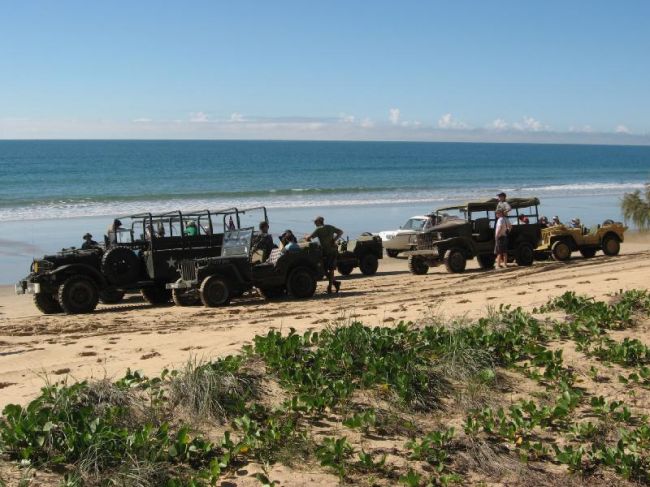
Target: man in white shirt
501	238
503	204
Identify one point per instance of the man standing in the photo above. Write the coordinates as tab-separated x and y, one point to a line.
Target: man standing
327	236
502	204
111	232
501	239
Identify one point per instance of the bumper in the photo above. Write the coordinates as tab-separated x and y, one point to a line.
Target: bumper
180	284
25	287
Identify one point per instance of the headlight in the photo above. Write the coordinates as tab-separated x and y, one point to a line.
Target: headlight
35	267
413	239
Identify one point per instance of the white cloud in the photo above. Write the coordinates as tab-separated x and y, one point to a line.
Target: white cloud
344	118
447	121
393	115
366	123
236	117
142	120
198	117
622	129
529	124
498	124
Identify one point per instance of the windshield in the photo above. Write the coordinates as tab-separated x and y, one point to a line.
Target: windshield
237	243
414	224
451	214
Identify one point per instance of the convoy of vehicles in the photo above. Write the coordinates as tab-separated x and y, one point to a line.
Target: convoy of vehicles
158	256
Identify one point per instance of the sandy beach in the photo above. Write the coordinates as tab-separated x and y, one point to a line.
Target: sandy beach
35	348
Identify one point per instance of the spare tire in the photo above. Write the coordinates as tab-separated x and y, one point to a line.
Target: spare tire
120	266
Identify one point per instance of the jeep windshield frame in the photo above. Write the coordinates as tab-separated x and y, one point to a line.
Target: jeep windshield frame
486	209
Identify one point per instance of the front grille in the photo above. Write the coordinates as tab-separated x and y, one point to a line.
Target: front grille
188	270
426	240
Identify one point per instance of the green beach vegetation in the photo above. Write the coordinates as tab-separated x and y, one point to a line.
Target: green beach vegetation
636	208
558	392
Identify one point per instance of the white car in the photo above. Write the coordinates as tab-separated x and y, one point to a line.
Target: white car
396	241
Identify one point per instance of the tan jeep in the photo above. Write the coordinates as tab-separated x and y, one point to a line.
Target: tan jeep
560	240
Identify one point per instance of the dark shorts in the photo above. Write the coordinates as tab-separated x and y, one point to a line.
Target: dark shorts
501	246
329	262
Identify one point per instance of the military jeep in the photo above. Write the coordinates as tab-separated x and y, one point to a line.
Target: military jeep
467	231
141	256
364	253
560	241
216	280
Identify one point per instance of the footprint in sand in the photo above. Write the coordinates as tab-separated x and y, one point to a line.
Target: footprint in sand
521	293
489	298
560	286
6	384
389	319
584	282
612	279
464	301
61	371
87	354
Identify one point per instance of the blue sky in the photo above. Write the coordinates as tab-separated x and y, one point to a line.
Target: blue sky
438	70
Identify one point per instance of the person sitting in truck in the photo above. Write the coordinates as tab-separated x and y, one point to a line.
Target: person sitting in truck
523	220
289	242
556	221
575	223
543	222
191	229
263	241
111	232
89	243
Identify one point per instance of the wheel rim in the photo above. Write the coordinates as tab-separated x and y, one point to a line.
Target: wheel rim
217	292
80	295
611	246
562	251
456	259
526	254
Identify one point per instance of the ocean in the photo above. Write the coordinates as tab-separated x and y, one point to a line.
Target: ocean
51	192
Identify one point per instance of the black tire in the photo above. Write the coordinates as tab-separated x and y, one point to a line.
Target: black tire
368	264
47	304
417	265
525	254
270	293
486	261
561	251
611	245
156	294
455	260
301	283
185	297
214	292
392	253
111	296
588	252
120	266
77	295
345	268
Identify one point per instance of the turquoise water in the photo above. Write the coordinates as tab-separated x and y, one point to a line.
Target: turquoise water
59	179
52	192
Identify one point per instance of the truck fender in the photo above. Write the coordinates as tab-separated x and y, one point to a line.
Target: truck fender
83	269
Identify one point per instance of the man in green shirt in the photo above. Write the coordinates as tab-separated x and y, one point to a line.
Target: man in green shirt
327	236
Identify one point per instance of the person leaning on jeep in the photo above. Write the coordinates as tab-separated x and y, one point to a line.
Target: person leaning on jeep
111	232
327	236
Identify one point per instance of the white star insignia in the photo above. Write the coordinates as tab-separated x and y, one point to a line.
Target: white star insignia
171	262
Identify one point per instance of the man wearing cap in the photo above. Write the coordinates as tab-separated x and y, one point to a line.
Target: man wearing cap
502	204
89	243
327	236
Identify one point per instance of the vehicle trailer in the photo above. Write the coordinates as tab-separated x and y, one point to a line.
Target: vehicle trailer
467	231
216	280
142	256
364	253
